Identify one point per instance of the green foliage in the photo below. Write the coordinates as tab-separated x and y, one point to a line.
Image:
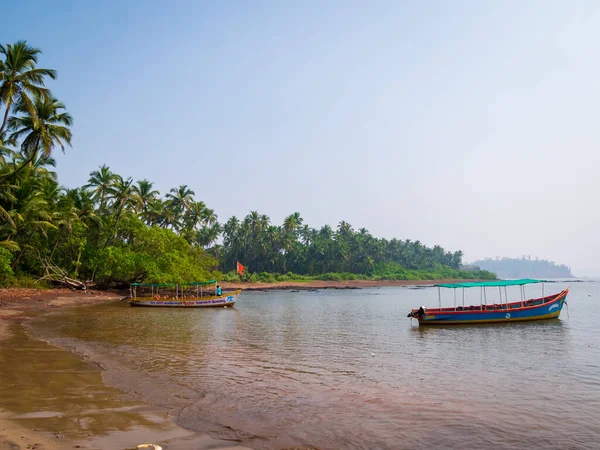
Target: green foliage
5	268
154	255
24	281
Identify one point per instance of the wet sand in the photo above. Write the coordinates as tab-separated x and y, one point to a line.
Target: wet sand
51	398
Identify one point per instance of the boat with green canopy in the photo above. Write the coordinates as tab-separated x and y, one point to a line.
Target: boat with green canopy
540	308
198	294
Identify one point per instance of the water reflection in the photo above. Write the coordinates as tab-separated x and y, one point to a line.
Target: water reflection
299	366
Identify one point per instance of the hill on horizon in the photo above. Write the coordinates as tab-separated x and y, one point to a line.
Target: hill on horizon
524	268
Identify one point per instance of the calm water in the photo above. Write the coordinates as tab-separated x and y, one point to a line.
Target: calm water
296	368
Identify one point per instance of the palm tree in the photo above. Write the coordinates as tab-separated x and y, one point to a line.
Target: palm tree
180	198
209	218
20	78
101	181
154	213
194	215
144	194
64	216
207	235
121	193
50	127
292	223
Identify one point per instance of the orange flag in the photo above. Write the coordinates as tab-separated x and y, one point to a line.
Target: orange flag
240	268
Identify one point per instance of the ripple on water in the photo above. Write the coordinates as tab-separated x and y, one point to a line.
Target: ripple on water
299	366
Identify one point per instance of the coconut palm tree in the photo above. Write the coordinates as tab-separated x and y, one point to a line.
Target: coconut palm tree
180	197
207	235
20	78
49	128
101	182
144	194
121	194
194	215
154	213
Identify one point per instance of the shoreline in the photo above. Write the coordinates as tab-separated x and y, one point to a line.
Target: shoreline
18	429
348	284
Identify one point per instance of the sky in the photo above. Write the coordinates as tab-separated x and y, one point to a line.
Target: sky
468	124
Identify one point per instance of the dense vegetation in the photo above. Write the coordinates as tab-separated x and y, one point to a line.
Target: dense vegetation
524	268
117	230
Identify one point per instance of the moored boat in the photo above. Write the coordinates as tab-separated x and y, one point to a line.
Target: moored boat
544	307
185	295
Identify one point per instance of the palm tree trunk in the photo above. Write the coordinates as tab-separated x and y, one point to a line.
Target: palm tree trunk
114	233
5	116
56	243
26	163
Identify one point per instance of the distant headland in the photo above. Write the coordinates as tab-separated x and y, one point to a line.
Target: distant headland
524	267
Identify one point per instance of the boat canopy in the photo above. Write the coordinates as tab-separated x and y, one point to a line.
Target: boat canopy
193	283
496	283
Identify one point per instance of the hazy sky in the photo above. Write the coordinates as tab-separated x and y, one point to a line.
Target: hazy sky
469	124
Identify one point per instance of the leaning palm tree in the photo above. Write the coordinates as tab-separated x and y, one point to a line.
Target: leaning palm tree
20	78
49	128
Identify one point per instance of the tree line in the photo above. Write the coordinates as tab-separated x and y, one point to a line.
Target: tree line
118	230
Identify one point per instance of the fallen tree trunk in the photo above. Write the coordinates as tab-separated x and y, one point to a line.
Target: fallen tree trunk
58	276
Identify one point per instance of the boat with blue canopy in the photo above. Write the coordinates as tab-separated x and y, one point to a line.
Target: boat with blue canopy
541	308
198	294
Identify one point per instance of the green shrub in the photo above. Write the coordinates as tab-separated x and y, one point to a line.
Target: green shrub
5	261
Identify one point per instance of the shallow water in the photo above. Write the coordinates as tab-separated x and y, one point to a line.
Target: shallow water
52	391
296	368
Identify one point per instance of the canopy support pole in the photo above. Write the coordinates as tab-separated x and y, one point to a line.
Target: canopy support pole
542	290
454	292
506	297
484	295
463	298
176	291
481	296
500	291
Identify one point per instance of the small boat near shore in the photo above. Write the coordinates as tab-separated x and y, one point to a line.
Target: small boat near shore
198	294
544	307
